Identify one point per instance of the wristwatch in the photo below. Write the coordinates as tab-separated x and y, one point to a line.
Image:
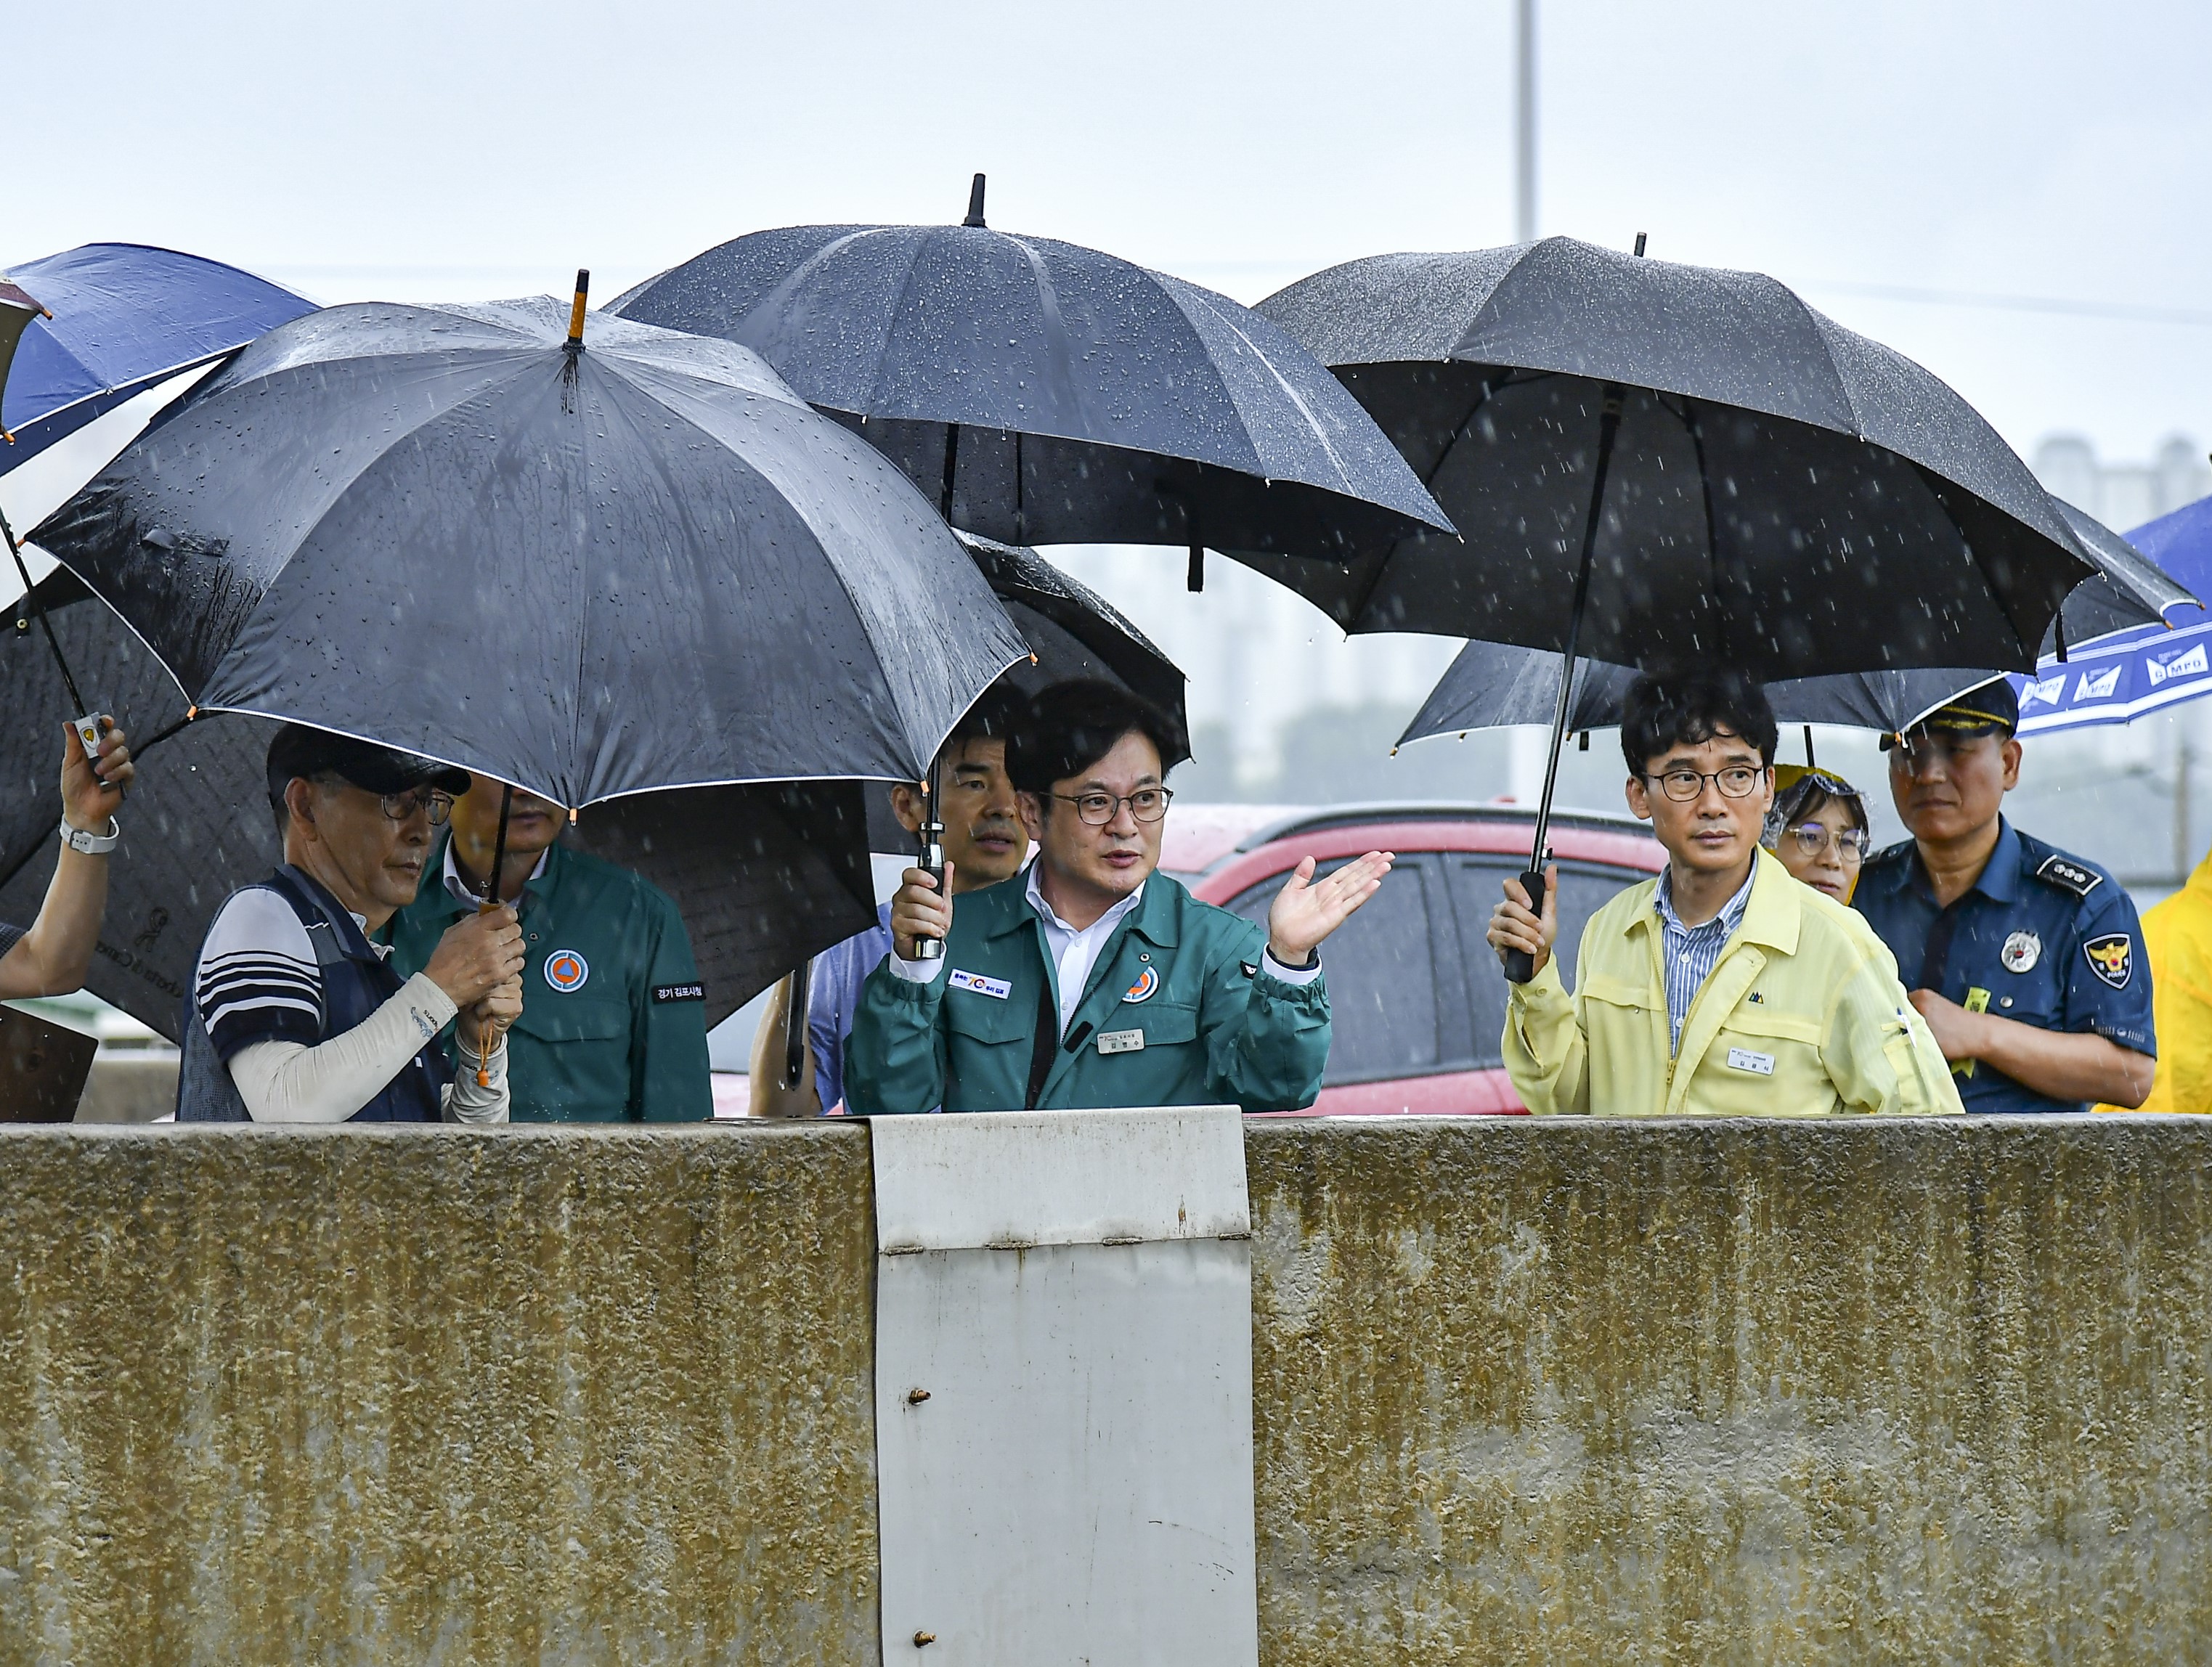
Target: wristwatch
91	844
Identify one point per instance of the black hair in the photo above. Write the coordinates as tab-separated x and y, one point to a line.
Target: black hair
1659	712
1069	727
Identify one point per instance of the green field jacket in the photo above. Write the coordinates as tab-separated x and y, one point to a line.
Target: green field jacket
1178	1011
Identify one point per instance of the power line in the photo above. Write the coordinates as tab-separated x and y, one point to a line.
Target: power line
2123	311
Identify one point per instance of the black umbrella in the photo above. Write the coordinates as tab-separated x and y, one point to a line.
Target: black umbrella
1493	684
588	562
1039	392
1074	632
763	874
1665	465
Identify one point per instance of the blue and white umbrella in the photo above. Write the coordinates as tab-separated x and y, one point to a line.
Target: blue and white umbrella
2120	677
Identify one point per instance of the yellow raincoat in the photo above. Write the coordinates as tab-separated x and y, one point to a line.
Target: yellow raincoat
2177	933
1802	1016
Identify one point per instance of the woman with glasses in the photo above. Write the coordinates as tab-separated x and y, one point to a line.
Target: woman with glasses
1818	828
296	1015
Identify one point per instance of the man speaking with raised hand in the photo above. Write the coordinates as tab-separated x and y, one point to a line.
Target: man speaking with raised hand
1090	978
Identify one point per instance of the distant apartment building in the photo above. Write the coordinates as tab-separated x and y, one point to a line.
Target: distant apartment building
2124	496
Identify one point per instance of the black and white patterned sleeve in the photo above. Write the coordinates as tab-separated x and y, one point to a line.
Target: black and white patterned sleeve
11	936
258	980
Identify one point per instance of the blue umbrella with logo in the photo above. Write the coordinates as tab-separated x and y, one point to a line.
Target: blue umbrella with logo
2121	675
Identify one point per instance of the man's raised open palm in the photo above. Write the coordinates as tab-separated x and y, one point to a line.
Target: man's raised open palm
1306	911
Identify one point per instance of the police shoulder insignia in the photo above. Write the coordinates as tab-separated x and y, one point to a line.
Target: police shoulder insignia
2068	875
2112	958
566	970
679	993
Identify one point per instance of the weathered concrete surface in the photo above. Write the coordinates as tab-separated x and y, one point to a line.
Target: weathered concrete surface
1612	1392
1567	1392
438	1397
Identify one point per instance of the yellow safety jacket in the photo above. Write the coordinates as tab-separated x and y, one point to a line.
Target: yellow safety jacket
2177	933
1801	1016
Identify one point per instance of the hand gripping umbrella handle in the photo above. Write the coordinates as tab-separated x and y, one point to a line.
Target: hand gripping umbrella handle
487	1033
932	861
1520	965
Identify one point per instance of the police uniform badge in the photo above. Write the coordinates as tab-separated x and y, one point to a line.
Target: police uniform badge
2020	953
2112	958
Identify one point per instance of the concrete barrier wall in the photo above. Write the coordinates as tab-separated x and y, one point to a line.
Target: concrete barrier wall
1569	1393
441	1397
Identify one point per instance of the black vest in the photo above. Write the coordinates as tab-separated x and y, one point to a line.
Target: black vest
356	982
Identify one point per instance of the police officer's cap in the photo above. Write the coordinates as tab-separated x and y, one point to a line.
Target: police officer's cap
301	750
1992	709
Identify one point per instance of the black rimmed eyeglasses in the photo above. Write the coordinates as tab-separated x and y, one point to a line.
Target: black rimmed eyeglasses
1738	781
1146	805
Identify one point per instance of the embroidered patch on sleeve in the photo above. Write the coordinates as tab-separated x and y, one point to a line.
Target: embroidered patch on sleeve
2112	958
679	993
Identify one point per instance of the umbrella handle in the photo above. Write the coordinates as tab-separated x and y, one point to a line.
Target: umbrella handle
933	858
487	1034
1520	965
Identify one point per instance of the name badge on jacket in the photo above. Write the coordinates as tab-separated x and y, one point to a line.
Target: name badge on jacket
1760	1065
1120	1041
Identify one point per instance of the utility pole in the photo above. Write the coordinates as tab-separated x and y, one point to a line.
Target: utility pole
1524	110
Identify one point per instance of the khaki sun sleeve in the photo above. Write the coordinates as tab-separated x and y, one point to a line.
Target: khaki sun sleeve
1547	1054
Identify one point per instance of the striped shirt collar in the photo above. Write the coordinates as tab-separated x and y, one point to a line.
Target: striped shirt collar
1689	953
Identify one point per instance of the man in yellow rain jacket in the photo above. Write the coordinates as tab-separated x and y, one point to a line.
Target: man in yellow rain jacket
2177	933
1723	988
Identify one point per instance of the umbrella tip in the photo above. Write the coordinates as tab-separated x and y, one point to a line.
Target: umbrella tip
575	342
1639	244
975	203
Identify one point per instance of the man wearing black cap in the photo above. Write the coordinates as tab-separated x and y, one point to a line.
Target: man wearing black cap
2027	963
294	1016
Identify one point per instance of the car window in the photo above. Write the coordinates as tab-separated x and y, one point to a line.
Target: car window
1477	884
1381	977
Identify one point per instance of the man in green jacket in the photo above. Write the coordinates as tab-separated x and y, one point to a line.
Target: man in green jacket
614	1022
1089	978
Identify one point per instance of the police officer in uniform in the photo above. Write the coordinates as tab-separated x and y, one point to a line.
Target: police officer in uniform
614	1025
1090	978
2027	963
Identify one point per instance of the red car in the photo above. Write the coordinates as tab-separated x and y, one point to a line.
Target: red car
1416	999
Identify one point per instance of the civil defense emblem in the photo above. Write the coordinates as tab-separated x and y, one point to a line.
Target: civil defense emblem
1143	988
566	970
2020	952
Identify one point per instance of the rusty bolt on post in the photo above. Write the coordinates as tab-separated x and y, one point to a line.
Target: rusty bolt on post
914	1397
922	1641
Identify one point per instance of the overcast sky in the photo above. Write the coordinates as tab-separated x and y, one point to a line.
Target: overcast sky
2037	149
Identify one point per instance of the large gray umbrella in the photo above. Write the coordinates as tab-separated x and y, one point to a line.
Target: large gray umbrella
582	555
1664	466
1040	393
